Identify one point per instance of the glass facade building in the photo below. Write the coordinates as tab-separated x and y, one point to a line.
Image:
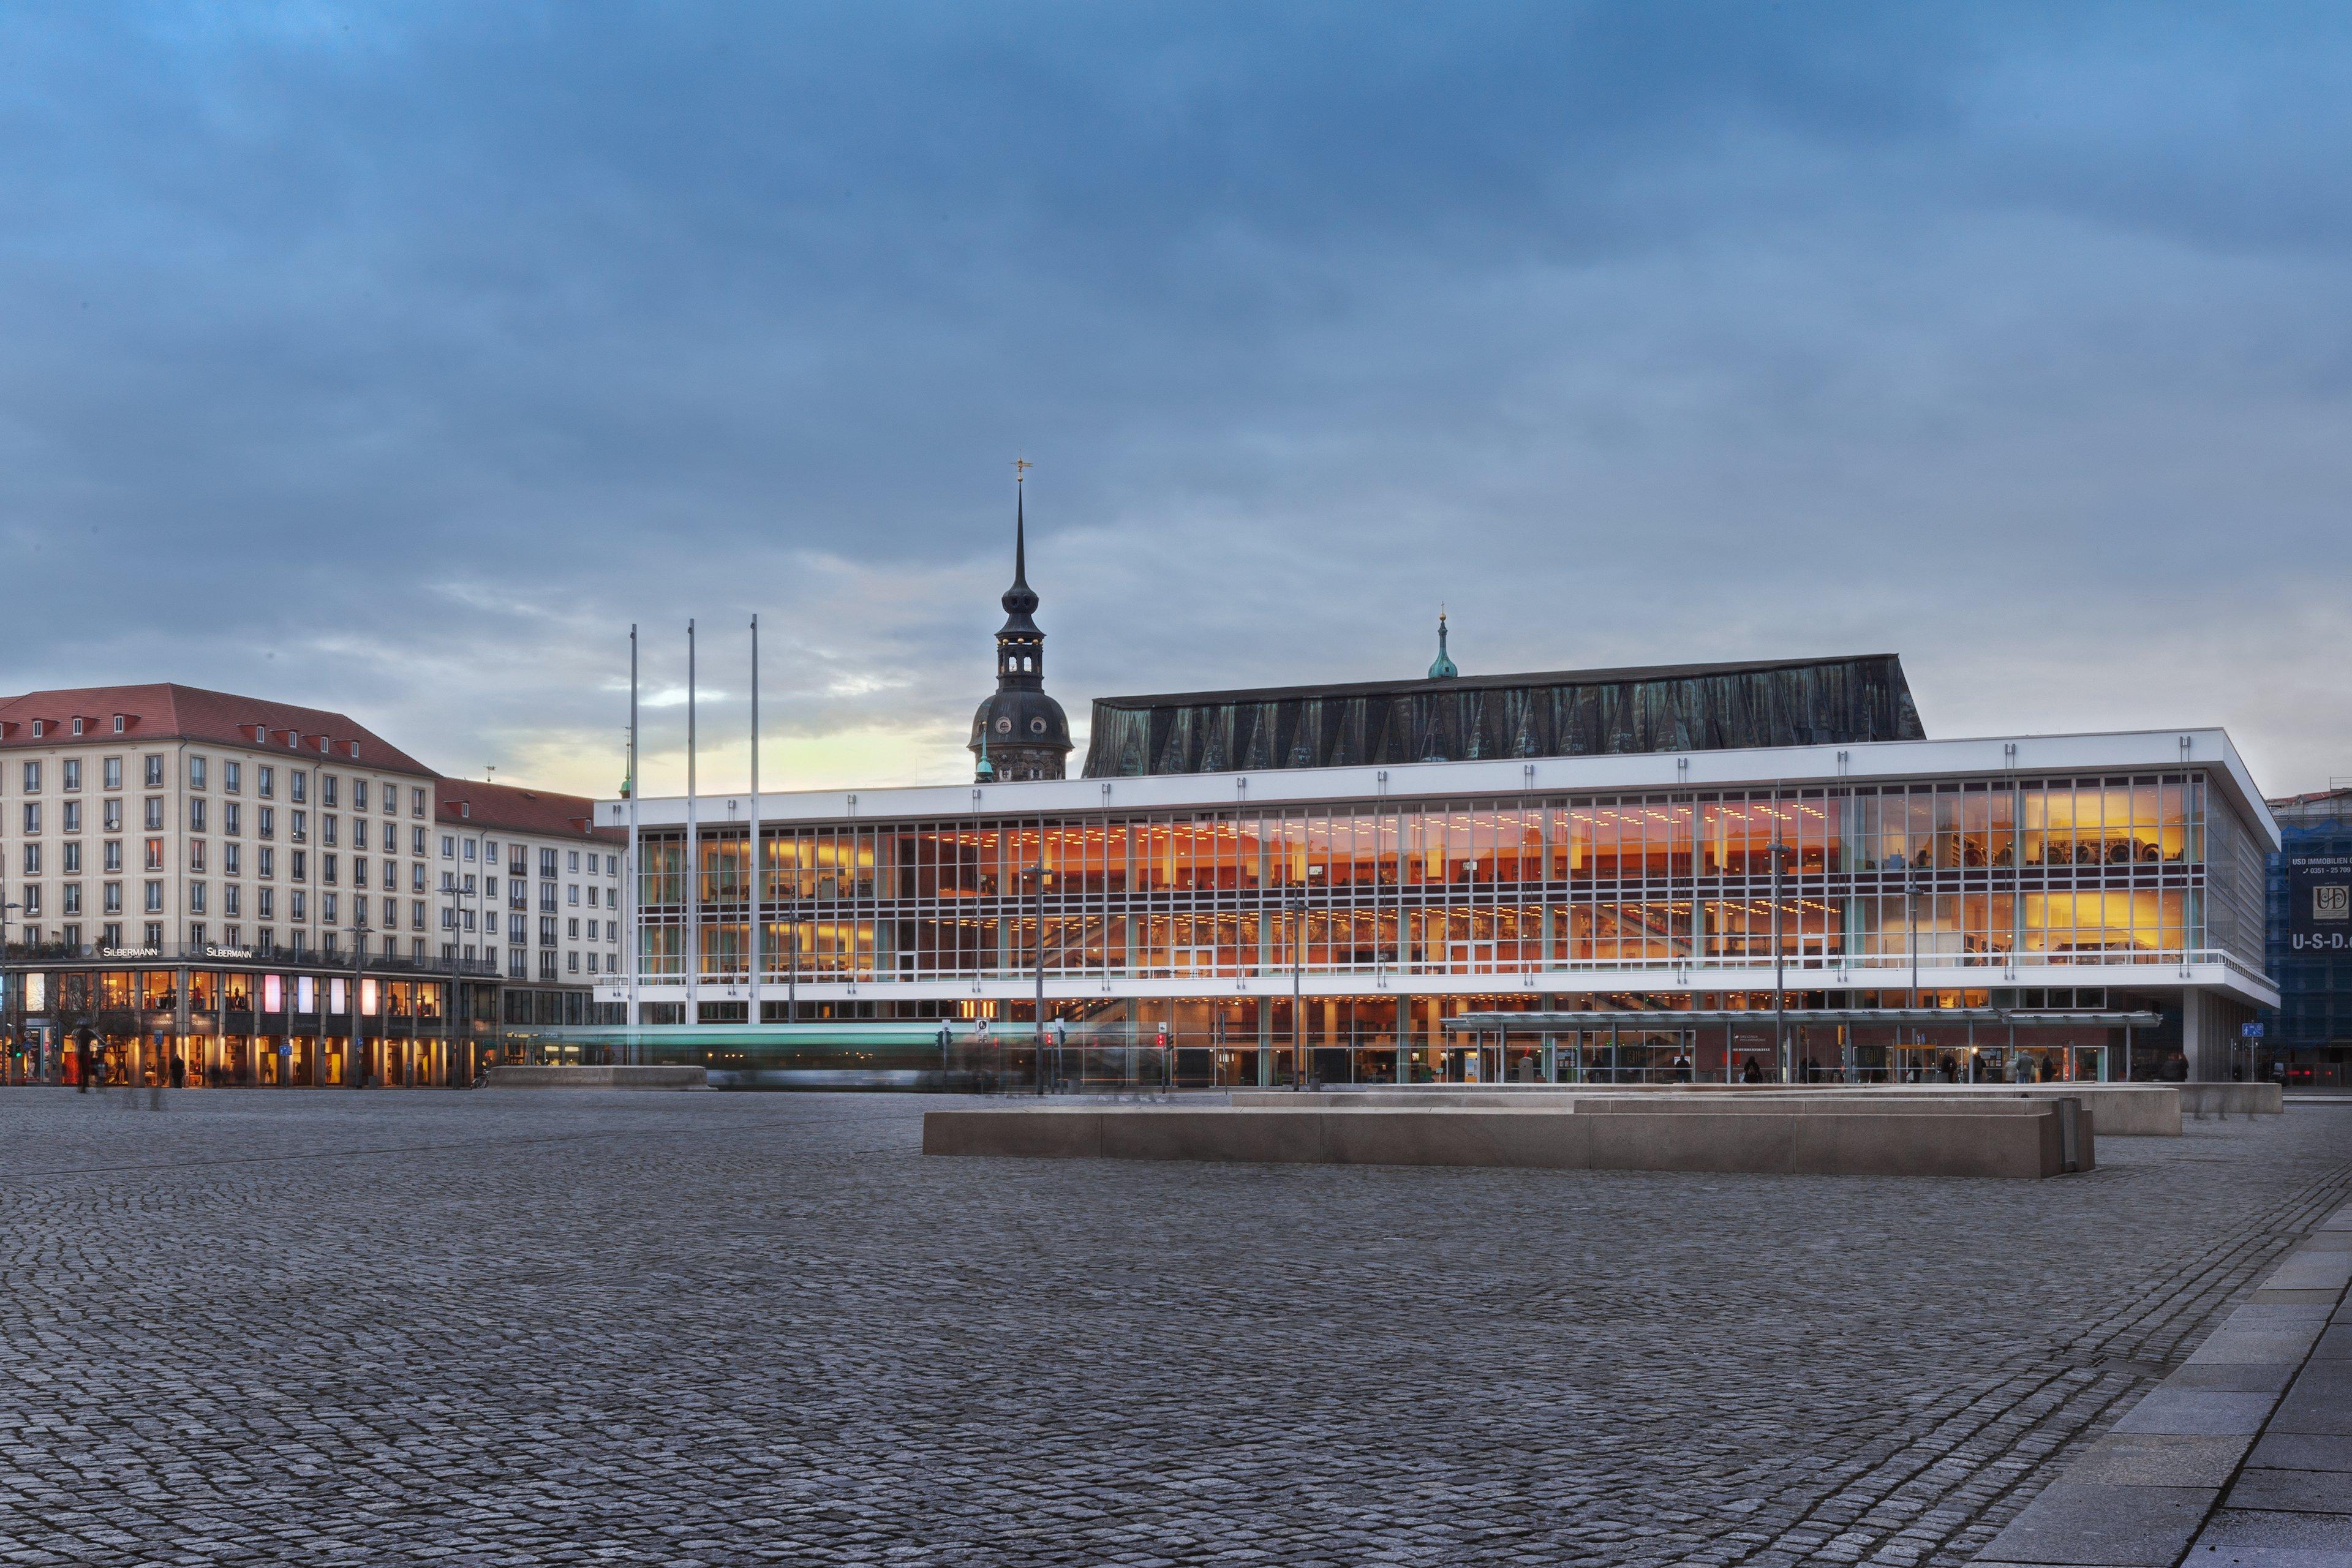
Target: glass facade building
2108	873
2309	1035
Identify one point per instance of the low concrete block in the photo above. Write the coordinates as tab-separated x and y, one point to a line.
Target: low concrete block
1790	1137
2231	1099
670	1077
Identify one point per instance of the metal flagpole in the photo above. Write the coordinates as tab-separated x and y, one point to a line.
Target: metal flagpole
753	1012
693	852
636	936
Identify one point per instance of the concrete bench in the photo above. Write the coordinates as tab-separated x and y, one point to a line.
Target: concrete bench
2021	1139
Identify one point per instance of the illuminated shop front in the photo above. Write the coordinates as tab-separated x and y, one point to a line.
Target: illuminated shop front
2074	879
202	1026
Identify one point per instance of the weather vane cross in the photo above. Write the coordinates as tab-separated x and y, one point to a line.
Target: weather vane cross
1020	467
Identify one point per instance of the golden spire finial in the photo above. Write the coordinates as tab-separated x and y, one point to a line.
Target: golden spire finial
1020	467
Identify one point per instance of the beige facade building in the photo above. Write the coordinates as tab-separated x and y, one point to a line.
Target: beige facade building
252	891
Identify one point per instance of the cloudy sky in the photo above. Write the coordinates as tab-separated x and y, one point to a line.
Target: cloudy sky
396	358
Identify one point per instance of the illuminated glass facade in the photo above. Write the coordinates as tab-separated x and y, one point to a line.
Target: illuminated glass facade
1391	898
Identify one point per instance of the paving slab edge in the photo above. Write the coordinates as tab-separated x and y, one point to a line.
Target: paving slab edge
2085	1519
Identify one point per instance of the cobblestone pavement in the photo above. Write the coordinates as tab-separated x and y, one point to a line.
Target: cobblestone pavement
516	1328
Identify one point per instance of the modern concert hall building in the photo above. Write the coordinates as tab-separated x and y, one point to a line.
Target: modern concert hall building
1699	871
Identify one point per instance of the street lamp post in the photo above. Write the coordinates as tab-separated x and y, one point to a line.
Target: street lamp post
356	1075
1038	871
1297	1015
15	982
1780	853
1911	937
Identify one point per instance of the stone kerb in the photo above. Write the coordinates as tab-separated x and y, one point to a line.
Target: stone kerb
2242	1458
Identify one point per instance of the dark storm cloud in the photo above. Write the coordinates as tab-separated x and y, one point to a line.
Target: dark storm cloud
398	357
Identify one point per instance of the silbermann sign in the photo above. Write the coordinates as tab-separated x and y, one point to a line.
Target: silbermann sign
2319	903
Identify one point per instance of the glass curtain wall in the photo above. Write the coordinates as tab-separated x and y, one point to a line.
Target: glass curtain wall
2057	870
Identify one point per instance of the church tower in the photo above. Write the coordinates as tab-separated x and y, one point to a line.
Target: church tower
1019	732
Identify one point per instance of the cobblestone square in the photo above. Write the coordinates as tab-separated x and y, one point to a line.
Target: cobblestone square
485	1328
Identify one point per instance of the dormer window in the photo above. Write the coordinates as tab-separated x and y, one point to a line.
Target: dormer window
121	723
39	727
77	726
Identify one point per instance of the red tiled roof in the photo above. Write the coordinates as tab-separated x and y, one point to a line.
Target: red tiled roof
515	810
171	712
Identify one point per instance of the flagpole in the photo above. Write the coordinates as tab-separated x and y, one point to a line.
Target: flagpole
753	1012
693	852
636	938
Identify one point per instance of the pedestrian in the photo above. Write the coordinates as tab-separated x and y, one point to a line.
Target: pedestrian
81	1066
179	1071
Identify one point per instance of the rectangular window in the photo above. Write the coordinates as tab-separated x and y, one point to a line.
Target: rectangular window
154	904
153	813
111	813
574	860
547	930
415	803
196	857
265	904
358	871
232	904
70	769
72	905
327	783
31	900
547	862
33	778
196	815
298	825
327	871
269	862
195	898
572	962
297	903
572	928
571	894
31	859
232	860
153	931
416	842
114	854
111	771
265	781
267	820
359	795
298	785
111	895
154	771
154	854
448	847
32	816
416	914
300	870
70	816
327	907
232	776
448	919
195	772
72	858
416	877
329	829
232	818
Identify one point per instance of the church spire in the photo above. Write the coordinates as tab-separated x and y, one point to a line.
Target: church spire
1443	668
1020	732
